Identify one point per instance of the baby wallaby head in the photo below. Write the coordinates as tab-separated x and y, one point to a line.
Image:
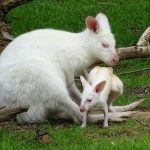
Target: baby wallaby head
90	94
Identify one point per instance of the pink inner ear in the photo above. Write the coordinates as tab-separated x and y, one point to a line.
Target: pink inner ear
92	23
97	89
100	86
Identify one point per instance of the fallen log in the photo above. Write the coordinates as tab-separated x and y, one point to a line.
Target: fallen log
10	112
133	52
141	50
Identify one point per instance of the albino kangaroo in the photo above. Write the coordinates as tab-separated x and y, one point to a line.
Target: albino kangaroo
100	90
37	69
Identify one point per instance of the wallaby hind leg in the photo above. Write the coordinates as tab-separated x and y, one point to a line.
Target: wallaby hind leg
67	105
111	98
114	117
105	110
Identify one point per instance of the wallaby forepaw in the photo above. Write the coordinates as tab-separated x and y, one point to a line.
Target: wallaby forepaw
83	125
105	126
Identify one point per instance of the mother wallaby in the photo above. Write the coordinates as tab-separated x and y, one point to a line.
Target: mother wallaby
37	69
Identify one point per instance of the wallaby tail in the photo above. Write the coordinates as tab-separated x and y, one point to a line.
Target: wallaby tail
128	107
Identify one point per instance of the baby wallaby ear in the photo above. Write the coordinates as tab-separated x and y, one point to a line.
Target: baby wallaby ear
100	86
91	23
84	82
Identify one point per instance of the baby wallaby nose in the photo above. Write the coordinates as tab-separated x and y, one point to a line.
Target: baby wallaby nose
81	109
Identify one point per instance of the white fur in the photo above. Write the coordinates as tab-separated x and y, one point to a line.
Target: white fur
112	89
37	70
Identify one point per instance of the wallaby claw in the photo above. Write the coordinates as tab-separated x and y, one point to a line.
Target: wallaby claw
105	126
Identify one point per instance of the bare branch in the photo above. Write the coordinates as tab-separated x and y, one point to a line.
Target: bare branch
142	123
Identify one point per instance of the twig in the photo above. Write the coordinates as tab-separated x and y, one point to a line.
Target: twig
134	71
103	3
142	123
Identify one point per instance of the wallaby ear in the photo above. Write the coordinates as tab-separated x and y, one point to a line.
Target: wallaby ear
100	86
103	21
84	82
91	23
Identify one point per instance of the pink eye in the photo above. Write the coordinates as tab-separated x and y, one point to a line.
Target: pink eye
105	45
89	100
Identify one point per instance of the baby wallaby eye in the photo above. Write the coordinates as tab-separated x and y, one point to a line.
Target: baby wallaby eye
105	45
89	100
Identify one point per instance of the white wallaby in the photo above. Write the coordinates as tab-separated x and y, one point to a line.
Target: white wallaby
37	69
100	90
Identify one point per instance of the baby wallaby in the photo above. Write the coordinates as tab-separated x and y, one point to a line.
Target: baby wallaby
100	90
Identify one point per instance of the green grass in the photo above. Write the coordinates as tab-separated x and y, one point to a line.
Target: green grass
124	136
128	20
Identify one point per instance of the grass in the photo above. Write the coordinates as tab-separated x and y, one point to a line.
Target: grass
128	20
130	135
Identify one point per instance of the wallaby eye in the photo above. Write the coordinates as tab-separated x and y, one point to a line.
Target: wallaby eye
105	45
89	100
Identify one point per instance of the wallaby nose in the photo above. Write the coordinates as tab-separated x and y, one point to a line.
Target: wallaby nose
81	109
115	59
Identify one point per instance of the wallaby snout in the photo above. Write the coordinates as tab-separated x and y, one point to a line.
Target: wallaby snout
115	59
81	109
